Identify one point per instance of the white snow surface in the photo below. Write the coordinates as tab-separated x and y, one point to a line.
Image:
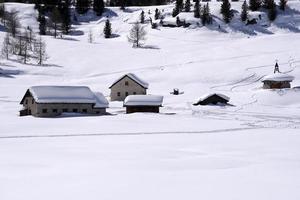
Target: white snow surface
134	78
143	100
246	151
67	94
278	77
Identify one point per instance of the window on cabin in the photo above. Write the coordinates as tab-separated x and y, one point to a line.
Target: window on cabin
54	110
126	94
75	110
26	101
84	110
126	83
32	101
134	93
65	110
44	110
119	94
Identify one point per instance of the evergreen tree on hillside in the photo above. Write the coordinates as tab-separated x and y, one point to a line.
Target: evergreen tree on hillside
244	13
205	15
178	8
42	20
107	29
282	4
272	12
82	6
254	5
98	7
65	15
267	4
142	17
197	9
56	20
226	11
187	6
157	14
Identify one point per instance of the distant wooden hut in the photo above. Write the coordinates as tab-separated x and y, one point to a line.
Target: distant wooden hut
277	81
212	98
143	103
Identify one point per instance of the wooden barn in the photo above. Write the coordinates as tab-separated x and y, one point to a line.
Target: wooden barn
143	103
51	101
128	84
277	81
212	99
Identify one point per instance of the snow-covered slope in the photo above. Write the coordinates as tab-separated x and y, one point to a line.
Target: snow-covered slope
246	151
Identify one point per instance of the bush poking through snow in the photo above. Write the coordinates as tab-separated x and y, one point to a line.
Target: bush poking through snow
137	34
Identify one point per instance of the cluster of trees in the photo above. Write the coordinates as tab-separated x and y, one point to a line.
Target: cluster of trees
124	3
22	44
202	12
269	5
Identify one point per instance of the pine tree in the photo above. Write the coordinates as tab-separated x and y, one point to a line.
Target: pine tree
157	14
282	4
98	6
40	51
137	34
267	4
178	8
56	20
205	15
272	13
254	5
244	13
42	20
66	17
82	6
107	29
226	11
197	9
142	17
187	6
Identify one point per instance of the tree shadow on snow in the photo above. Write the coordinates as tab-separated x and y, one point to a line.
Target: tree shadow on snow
7	73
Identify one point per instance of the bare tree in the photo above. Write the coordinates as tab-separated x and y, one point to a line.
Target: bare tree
39	51
12	23
56	20
23	47
6	47
137	34
90	36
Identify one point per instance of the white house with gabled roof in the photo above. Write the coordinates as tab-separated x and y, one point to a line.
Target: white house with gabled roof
128	84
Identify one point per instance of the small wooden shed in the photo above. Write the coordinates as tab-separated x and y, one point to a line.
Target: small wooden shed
277	81
143	103
212	98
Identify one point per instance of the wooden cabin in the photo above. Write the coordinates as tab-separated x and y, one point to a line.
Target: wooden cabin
143	103
128	84
277	81
212	99
52	101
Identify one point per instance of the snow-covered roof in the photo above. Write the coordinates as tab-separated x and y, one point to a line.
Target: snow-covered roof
143	100
134	78
211	94
67	94
278	77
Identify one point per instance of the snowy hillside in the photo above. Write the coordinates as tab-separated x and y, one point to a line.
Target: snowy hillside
246	151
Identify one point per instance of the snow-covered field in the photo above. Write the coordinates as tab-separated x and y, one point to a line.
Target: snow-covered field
246	151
